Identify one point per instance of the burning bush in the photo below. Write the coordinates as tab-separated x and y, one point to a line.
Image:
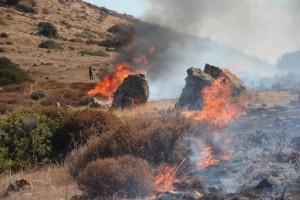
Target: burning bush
124	176
78	126
153	138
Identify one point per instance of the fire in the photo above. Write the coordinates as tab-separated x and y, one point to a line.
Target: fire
141	59
218	104
208	158
151	49
110	83
166	179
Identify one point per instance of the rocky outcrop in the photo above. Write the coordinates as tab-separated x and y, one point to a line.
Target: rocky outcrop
191	96
133	91
217	72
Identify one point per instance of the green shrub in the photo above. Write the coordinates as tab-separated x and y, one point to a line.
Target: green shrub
126	176
25	9
86	34
2	22
4	35
114	29
11	2
50	44
47	29
93	53
36	95
10	73
110	42
26	139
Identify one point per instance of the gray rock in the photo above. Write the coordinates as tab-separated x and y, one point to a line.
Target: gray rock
269	182
133	91
191	96
216	72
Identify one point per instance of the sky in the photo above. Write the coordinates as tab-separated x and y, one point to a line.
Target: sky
136	8
266	29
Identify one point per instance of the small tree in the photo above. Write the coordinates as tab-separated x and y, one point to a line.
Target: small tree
47	29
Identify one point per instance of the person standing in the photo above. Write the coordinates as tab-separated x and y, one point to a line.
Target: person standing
91	72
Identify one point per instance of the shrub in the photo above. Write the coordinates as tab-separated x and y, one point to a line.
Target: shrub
36	95
110	42
10	73
25	9
114	29
78	126
50	44
127	175
2	22
156	139
93	53
26	138
4	35
47	29
45	11
12	2
86	34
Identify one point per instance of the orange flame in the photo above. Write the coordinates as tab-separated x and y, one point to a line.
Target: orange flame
165	179
141	59
110	83
208	159
151	49
218	104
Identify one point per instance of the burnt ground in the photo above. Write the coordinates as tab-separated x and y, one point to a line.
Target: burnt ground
264	162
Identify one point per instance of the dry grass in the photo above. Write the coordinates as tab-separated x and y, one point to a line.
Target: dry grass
123	176
146	109
51	182
79	125
156	138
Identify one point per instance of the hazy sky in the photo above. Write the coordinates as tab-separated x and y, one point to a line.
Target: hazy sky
263	28
136	8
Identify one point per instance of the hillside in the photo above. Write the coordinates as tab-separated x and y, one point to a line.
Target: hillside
76	22
82	26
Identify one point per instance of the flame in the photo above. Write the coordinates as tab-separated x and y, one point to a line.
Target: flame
166	179
141	59
207	158
110	83
151	49
218	104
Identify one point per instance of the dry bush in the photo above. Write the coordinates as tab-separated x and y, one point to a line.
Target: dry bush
64	93
157	138
78	126
112	177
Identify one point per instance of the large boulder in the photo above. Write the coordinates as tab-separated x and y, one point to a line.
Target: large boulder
191	96
217	72
133	91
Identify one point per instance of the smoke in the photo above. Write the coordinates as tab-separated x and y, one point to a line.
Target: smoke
244	36
266	29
